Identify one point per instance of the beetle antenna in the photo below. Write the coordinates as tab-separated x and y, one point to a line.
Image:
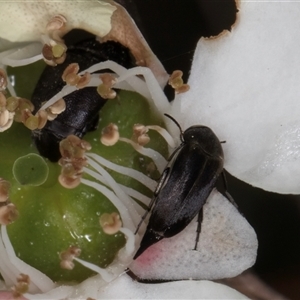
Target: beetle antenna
181	131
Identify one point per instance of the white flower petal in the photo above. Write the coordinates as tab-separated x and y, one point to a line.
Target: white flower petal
125	288
245	86
227	247
25	21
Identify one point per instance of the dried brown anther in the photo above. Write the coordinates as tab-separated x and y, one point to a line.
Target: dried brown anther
73	147
72	161
4	190
8	214
22	111
71	77
110	223
105	89
54	54
140	135
12	103
176	82
67	257
22	285
58	107
83	80
42	118
110	135
70	74
6	117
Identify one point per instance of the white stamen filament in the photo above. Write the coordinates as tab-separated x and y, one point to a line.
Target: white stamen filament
149	88
126	218
15	58
157	158
159	98
129	191
127	200
139	176
130	243
103	272
11	89
39	281
164	133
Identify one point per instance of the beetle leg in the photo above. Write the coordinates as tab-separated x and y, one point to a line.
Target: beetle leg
226	194
200	218
156	192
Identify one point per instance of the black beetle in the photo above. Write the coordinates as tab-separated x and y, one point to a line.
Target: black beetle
184	186
82	106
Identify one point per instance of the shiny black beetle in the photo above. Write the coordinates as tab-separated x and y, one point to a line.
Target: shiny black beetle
82	106
184	186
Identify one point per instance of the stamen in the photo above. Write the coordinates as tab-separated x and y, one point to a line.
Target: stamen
164	133
58	107
70	74
72	161
13	266
149	89
22	285
126	218
18	57
83	80
4	190
130	240
139	176
110	223
110	135
176	82
128	202
105	88
129	191
6	117
12	104
157	158
140	135
8	214
68	256
102	272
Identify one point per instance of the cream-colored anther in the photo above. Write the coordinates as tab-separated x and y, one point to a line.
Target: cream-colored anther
110	135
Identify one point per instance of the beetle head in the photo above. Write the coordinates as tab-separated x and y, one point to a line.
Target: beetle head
205	138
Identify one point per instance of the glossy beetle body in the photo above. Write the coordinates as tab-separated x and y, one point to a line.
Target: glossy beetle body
82	106
185	185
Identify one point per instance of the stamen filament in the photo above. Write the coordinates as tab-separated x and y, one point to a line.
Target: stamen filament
139	176
15	57
130	244
157	158
149	89
164	133
39	281
123	210
129	191
103	272
127	200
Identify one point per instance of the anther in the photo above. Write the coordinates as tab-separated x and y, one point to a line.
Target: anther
110	135
110	223
176	82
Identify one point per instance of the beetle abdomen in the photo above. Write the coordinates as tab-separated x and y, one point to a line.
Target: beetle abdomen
83	105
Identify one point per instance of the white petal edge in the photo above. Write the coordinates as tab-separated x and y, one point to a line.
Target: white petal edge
125	288
245	86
